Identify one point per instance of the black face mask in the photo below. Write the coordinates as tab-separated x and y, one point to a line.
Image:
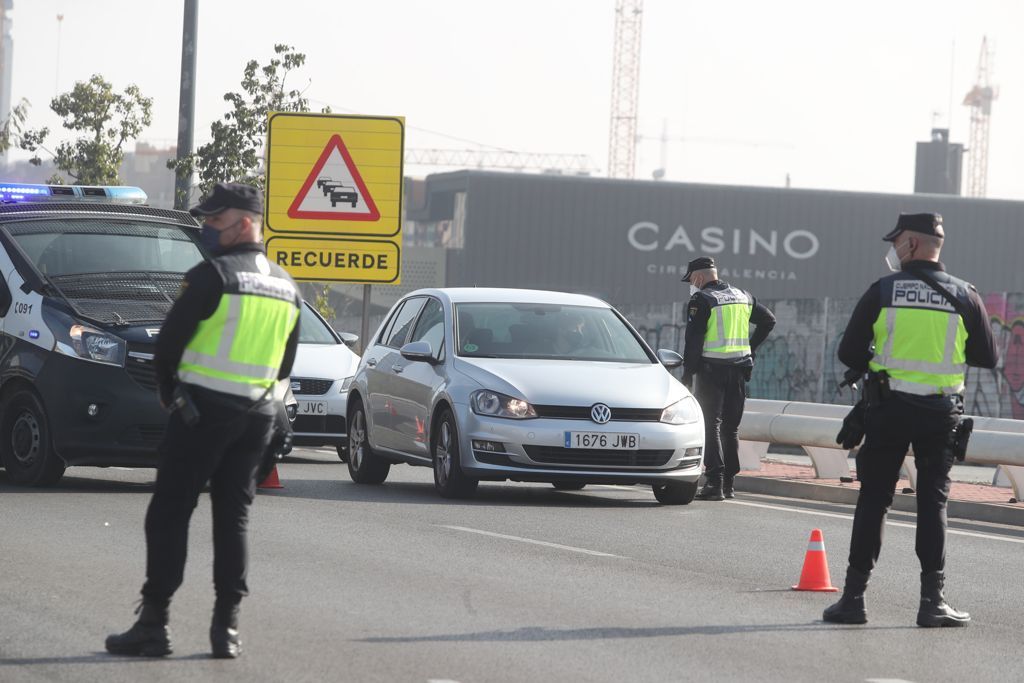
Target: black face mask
209	237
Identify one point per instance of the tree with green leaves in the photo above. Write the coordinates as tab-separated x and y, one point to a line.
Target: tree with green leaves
105	120
235	151
14	133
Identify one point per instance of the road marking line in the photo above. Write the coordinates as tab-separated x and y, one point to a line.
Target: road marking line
530	540
886	680
906	525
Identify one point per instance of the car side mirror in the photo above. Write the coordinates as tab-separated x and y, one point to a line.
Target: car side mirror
670	359
350	339
418	351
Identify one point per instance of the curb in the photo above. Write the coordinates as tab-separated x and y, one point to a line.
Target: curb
995	513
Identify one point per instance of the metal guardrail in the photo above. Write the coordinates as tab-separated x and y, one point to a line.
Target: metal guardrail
813	426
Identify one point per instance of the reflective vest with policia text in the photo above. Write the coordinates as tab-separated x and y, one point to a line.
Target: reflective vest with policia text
238	350
920	340
727	337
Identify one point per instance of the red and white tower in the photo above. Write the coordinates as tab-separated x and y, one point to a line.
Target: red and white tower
625	89
980	99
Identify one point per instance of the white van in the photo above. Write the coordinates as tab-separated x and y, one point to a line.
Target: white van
323	370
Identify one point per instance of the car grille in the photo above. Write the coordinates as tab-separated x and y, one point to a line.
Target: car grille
140	367
311	387
583	413
556	455
319	424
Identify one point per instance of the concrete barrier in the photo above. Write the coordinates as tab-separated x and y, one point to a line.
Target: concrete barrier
995	441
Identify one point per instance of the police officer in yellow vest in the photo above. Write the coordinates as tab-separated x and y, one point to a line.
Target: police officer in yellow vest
719	351
916	346
228	339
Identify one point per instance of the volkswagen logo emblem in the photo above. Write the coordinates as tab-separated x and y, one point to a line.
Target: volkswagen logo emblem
600	413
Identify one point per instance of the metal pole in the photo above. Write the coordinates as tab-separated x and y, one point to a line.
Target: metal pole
364	331
186	100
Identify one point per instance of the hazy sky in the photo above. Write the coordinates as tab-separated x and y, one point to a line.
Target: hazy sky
833	93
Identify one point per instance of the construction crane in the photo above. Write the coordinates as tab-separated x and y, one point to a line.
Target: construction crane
625	89
980	99
576	164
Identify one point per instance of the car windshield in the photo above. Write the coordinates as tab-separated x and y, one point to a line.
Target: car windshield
82	246
313	330
525	330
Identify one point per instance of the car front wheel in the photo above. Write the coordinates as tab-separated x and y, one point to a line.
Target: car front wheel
449	479
675	492
25	444
364	466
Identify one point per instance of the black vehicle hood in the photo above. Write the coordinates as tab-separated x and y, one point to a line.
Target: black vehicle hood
120	301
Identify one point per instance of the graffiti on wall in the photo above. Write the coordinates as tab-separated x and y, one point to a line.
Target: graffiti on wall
798	361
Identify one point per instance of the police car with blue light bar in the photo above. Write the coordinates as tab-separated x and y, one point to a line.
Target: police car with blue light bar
89	274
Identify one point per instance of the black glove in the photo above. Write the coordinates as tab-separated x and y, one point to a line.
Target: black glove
852	431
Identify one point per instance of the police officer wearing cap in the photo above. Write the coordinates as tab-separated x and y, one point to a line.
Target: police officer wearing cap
719	351
228	339
915	345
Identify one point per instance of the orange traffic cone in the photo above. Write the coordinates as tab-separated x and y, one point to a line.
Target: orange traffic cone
273	482
814	576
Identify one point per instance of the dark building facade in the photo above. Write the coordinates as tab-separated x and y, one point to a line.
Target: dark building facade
629	241
938	165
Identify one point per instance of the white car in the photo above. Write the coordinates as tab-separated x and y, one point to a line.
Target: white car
521	385
322	364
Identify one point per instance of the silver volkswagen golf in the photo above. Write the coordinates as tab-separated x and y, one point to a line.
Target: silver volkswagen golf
521	385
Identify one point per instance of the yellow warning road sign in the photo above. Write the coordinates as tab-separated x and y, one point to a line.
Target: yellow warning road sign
331	174
323	259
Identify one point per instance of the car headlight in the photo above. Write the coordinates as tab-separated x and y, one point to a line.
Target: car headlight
682	412
346	384
80	340
493	404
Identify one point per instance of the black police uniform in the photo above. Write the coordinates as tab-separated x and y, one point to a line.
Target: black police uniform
902	420
720	384
224	449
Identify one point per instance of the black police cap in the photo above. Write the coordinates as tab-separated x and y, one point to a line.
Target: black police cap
699	263
924	223
230	196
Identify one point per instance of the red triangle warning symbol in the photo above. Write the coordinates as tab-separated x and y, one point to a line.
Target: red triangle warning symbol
334	190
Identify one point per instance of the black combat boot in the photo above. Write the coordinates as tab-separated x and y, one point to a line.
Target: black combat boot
225	642
712	489
850	609
934	610
148	637
727	488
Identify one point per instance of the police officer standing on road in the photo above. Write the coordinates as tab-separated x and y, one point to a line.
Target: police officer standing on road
719	350
914	332
228	339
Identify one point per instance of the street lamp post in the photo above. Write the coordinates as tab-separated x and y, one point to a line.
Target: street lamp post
186	100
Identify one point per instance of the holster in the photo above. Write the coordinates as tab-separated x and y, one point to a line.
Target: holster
876	388
961	437
183	404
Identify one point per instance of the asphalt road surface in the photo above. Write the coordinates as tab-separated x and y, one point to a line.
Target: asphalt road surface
393	583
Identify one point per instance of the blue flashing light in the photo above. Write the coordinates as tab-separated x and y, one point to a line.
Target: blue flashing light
126	194
23	192
24	189
33	334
